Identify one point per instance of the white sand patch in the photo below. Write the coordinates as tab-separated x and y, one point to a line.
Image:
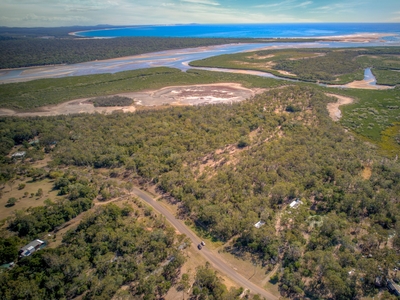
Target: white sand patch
333	108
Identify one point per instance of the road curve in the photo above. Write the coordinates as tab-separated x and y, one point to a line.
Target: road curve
214	258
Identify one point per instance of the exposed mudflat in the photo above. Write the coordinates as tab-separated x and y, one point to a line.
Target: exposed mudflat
193	95
173	95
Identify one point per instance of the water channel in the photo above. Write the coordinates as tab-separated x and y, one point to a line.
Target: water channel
172	58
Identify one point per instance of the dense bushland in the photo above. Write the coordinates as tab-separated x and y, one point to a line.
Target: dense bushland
27	52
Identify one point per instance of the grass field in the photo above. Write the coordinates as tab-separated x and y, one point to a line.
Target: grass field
314	65
24	202
332	66
376	116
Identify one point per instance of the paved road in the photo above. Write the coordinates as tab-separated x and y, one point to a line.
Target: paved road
214	258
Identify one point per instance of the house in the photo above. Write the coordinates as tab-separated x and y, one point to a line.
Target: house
295	203
31	247
259	224
19	154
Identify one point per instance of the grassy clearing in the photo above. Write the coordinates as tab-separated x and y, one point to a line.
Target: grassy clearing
194	260
373	113
390	141
25	200
307	64
249	269
375	116
387	77
333	66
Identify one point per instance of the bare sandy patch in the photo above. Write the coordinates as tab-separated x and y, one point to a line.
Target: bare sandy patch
366	85
333	108
198	94
267	65
255	56
173	95
313	55
366	172
286	73
358	38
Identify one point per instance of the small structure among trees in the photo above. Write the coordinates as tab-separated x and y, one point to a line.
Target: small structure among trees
31	247
19	154
295	203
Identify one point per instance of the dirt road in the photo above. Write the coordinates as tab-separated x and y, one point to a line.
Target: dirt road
213	257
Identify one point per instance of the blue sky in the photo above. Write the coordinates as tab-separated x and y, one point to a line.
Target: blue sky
46	13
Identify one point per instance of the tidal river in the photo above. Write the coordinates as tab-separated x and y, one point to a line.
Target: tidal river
171	58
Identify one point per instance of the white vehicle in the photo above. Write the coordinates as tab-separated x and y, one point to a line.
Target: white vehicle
202	243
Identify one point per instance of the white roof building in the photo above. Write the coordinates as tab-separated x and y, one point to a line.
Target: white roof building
259	224
18	154
295	203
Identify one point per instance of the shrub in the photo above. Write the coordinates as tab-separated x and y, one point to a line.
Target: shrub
112	101
11	201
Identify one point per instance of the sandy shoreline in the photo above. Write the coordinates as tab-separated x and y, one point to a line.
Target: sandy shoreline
358	38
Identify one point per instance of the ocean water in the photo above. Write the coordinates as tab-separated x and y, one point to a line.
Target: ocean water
293	30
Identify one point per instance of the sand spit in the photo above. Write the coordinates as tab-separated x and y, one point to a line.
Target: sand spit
358	38
333	108
366	85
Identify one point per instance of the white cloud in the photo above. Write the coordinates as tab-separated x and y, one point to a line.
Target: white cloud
34	17
338	7
204	2
130	12
304	4
276	5
396	17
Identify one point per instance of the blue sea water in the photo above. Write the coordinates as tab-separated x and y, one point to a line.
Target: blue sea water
292	30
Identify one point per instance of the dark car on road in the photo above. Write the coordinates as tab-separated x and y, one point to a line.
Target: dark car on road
199	246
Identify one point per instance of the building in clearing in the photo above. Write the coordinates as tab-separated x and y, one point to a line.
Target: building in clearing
19	154
31	247
295	203
259	224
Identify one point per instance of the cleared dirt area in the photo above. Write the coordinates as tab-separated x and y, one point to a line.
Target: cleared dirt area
174	95
193	95
333	108
366	172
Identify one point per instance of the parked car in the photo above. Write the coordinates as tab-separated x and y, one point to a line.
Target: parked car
199	246
202	243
